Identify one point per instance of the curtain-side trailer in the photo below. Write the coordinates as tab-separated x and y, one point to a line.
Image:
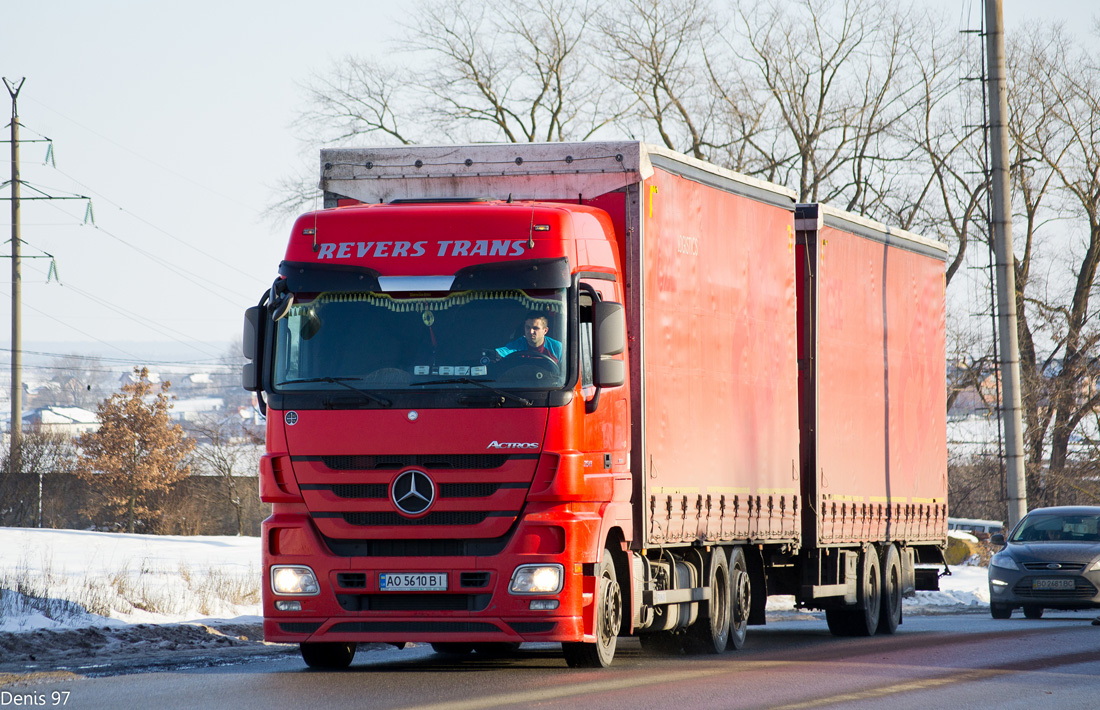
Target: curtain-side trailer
568	392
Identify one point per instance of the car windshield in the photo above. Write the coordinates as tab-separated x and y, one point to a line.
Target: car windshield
512	338
1058	528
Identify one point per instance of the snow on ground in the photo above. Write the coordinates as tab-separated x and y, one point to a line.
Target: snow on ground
51	579
65	579
103	603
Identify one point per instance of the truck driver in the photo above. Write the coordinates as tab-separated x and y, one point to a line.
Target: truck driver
534	339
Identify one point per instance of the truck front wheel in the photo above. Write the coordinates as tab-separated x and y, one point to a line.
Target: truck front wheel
328	655
609	617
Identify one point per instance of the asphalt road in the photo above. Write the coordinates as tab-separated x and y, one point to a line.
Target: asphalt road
951	661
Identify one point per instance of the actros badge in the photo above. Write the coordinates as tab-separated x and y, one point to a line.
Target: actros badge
413	492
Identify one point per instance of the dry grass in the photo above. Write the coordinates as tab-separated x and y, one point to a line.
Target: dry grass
26	591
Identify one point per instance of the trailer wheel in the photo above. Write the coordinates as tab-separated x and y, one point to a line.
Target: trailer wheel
863	619
891	590
609	617
711	632
328	655
740	598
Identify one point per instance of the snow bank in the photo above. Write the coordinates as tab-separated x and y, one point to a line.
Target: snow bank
58	579
53	579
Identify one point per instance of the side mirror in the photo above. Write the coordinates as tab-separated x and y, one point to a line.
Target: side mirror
608	328
609	339
251	346
997	539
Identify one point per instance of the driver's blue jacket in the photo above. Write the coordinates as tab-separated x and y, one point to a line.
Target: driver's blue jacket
551	346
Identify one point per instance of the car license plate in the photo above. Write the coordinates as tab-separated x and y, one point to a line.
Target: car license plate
412	581
1052	584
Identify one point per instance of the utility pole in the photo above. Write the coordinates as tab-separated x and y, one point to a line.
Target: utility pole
1001	222
16	291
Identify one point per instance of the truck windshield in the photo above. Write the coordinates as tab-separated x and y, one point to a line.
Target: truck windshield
512	338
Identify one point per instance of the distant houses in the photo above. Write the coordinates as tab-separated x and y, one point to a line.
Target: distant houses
196	397
71	421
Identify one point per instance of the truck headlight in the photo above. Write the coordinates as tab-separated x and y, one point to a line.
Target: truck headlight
537	579
294	581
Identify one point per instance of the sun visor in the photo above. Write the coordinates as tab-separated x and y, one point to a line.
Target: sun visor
309	278
532	273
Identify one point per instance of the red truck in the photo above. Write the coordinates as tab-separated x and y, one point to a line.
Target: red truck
572	392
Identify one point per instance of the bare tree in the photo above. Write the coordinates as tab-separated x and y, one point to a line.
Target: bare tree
653	50
1062	77
228	448
44	453
518	73
829	79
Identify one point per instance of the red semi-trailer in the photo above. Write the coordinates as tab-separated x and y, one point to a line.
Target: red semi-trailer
570	392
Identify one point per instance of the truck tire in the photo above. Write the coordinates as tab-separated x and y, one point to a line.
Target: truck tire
862	620
740	598
711	631
890	617
609	618
329	655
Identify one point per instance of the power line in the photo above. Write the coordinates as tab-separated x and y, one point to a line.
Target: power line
136	154
123	361
159	229
186	274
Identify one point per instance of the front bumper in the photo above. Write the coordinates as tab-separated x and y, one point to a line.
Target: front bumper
476	607
1045	589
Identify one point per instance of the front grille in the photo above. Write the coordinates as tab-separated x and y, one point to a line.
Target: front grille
1082	589
418	548
446	490
414	627
396	601
443	517
429	461
1062	566
361	490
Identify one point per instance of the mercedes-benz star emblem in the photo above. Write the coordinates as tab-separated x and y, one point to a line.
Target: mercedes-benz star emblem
413	492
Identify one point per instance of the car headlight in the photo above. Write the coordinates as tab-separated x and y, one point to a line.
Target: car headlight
1094	566
537	579
1004	561
294	581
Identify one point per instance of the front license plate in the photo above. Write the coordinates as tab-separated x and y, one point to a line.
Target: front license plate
1052	584
412	581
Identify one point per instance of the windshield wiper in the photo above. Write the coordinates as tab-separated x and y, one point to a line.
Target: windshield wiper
470	381
343	382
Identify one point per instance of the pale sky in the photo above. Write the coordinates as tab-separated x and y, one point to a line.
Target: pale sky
175	118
